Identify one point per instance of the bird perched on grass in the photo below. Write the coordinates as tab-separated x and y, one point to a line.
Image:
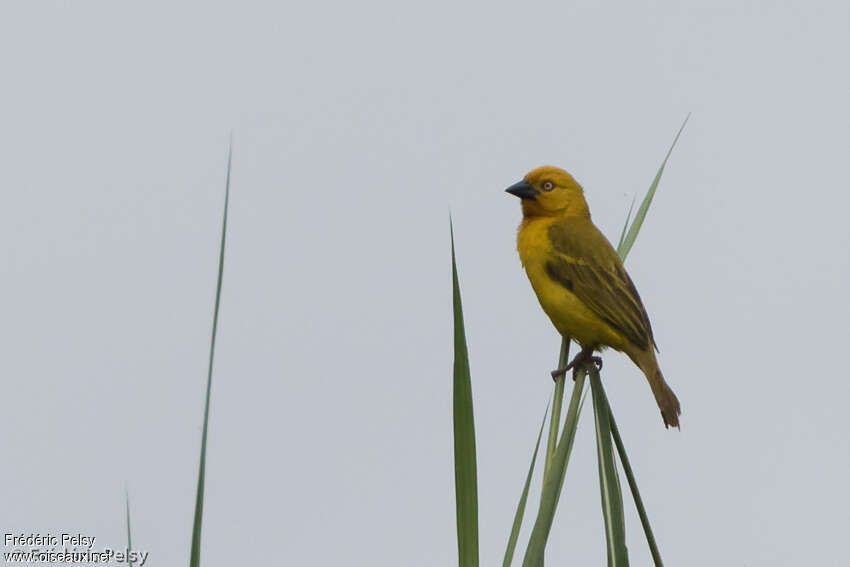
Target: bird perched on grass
580	280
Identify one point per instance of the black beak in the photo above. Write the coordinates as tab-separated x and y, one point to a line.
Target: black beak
523	190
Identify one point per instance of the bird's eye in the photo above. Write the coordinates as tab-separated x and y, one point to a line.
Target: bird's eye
547	186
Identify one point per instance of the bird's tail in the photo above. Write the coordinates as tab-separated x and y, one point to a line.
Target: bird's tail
667	401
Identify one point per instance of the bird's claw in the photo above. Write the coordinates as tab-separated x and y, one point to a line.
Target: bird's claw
575	364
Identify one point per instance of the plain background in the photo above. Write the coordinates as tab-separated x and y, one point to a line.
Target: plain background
358	127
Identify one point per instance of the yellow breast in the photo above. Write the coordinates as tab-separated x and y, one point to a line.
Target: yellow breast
567	312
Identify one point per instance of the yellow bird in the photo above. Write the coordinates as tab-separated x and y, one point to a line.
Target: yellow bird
580	280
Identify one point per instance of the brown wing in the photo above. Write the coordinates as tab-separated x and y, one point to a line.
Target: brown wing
584	262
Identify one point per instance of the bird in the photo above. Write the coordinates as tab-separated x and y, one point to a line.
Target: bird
580	280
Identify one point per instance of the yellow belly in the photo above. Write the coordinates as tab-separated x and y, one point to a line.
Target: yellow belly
568	313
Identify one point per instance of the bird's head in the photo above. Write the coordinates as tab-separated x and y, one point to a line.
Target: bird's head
550	191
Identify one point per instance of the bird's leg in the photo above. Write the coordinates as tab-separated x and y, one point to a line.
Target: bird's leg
585	355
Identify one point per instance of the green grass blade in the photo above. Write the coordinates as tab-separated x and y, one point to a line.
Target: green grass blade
195	555
466	476
576	404
553	481
623	249
557	402
129	537
630	477
627	242
520	510
626	224
612	499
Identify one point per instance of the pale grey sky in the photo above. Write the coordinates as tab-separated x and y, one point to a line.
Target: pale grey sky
357	127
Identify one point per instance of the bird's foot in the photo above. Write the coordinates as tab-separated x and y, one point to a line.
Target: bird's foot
586	355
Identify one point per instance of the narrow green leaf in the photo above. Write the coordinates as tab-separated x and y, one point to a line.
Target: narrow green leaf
554	480
623	249
630	477
583	398
557	402
466	476
129	537
195	555
626	243
571	422
520	510
626	224
612	499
